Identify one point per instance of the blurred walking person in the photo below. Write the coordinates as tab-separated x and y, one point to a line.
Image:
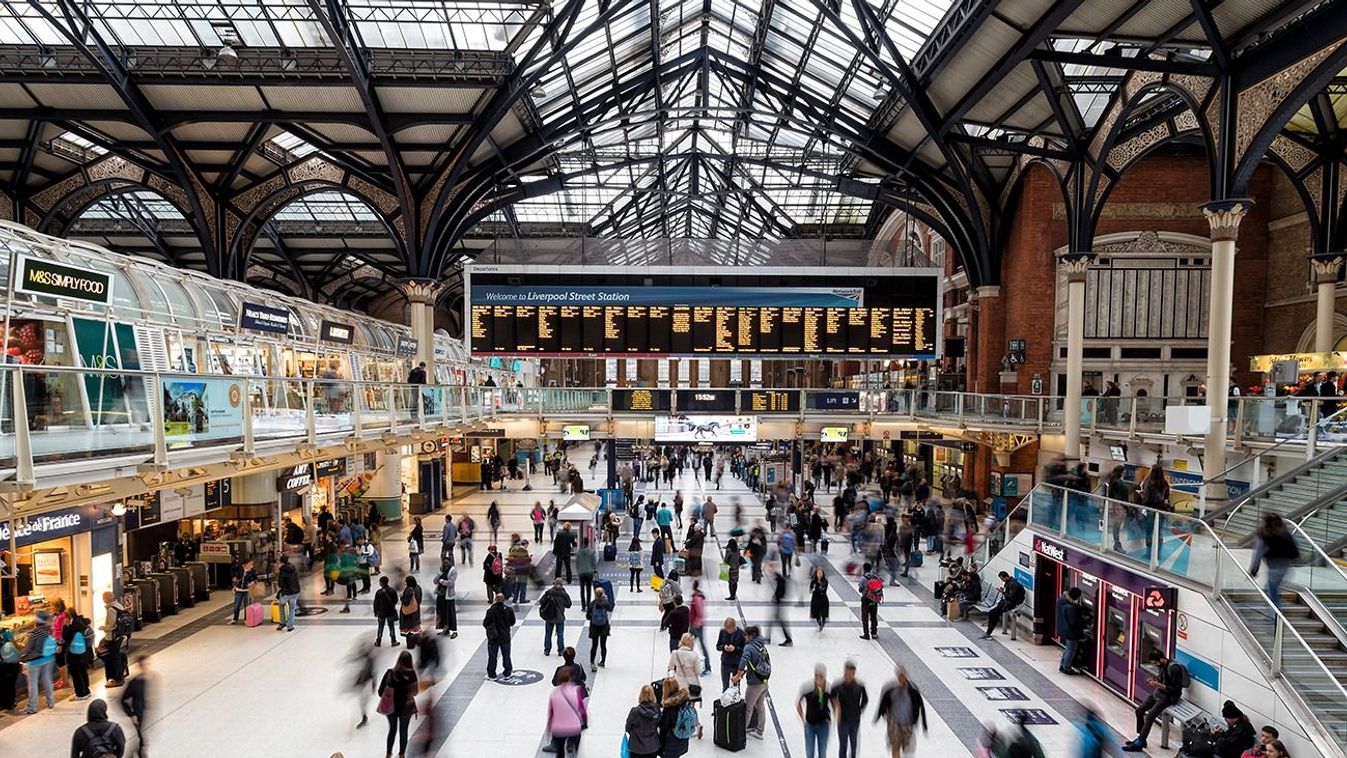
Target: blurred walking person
135	702
397	701
446	599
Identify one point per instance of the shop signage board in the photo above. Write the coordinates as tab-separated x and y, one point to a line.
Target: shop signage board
339	333
407	346
49	526
1160	599
1050	549
294	478
334	467
38	277
214	552
834	401
489	433
264	318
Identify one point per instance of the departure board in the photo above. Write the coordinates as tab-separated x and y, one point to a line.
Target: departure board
611	311
769	401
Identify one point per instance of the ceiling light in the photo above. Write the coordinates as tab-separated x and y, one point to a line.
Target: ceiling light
288	62
209	60
881	93
228	54
119	509
538	92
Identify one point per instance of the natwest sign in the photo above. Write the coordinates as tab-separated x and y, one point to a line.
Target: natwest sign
295	478
1050	549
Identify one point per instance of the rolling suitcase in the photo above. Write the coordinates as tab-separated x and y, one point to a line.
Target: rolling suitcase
610	552
275	612
252	615
731	726
607	590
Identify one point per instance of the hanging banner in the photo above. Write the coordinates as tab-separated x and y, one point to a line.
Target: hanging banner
102	345
332	331
219	494
37	277
202	409
264	318
407	346
334	467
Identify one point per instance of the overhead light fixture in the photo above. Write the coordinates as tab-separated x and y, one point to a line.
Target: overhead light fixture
538	92
119	509
209	60
881	93
48	59
228	54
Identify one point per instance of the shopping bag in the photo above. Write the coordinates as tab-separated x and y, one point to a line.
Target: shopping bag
952	610
731	695
656	582
385	702
724	572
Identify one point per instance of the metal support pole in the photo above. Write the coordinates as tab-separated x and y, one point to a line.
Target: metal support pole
23	443
157	419
310	415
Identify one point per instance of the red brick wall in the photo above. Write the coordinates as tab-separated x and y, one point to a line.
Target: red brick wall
1161	193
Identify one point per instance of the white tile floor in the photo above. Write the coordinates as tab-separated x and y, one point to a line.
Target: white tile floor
231	690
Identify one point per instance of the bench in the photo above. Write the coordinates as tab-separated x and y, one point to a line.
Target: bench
1182	711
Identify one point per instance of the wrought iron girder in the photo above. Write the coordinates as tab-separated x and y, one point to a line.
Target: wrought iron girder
983	144
1126	62
81	33
1052	82
1219	52
340	31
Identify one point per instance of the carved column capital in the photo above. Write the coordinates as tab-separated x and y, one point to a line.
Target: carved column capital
1326	268
988	291
425	291
1224	217
1075	265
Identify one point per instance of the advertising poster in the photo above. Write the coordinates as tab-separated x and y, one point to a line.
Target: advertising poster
834	434
200	409
47	568
686	428
575	433
27	344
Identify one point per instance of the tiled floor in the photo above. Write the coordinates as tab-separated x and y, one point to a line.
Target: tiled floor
231	690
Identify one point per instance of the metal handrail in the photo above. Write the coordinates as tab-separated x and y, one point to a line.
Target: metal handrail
1284	625
1304	433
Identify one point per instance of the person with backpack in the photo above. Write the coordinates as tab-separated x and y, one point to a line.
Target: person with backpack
871	588
9	669
566	716
755	666
386	612
901	708
677	720
634	558
78	642
642	726
39	656
1169	687
498	621
493	571
552	609
1012	595
98	737
599	616
814	707
135	704
446	599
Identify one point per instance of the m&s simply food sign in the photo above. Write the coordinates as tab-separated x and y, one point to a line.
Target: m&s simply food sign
38	277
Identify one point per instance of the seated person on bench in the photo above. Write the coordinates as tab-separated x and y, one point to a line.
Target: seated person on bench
1012	594
1168	689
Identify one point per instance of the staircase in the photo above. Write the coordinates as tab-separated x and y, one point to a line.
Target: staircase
1294	496
1299	665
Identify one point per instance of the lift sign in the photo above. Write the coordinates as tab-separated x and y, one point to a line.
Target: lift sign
1160	599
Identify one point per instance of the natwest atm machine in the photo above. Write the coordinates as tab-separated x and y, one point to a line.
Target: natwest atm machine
1127	615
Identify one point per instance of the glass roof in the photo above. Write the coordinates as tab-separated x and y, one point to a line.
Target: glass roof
327	206
128	206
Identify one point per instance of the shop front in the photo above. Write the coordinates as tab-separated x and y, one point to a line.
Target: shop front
1127	615
68	556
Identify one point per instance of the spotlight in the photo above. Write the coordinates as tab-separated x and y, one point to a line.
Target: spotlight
228	54
538	92
119	509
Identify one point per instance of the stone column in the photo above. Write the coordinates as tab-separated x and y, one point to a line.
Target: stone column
1075	266
422	294
986	343
1224	217
1326	269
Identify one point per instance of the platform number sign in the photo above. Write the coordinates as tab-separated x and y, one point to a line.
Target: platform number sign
1160	599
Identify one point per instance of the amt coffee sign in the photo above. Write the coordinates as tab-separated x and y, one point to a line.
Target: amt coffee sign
38	277
295	478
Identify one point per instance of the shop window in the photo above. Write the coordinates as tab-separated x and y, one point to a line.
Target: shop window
1115	632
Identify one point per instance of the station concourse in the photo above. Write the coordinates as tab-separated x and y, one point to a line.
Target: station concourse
990	350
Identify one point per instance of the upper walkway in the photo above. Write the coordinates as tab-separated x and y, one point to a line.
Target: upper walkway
56	420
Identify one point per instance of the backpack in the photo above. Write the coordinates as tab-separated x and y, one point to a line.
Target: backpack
686	724
1180	672
497	566
547	607
96	744
78	644
463	530
874	590
124	625
49	647
763	668
9	653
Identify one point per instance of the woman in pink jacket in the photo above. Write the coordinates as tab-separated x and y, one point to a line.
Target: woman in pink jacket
566	714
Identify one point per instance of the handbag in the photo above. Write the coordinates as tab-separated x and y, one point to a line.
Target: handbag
385	707
626	747
656	583
724	572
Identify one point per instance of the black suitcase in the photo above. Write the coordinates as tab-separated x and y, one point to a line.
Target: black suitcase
939	589
610	552
731	726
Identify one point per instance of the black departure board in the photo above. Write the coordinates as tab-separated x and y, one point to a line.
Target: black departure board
614	312
695	401
642	400
769	401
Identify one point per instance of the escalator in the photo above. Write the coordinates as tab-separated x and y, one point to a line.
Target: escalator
1315	490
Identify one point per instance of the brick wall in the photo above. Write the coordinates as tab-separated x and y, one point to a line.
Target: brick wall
1290	297
1161	193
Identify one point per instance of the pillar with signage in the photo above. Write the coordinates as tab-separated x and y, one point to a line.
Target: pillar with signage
385	486
422	294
